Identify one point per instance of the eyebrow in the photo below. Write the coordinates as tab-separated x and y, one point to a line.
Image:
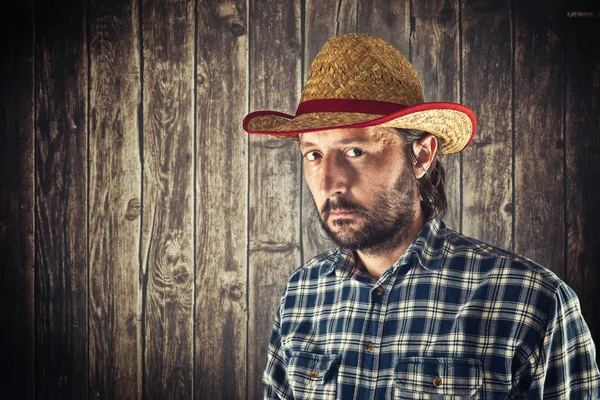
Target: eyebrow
357	140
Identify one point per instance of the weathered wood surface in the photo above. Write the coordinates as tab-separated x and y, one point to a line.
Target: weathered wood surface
17	200
389	20
435	54
487	197
274	174
61	230
192	228
538	133
221	201
582	133
168	198
323	19
115	190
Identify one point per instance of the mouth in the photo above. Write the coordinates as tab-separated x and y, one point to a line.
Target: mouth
341	213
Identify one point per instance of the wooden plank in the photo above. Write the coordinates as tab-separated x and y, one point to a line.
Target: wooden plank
221	209
487	89
582	160
388	20
435	52
17	200
539	142
274	174
114	201
61	207
168	198
324	19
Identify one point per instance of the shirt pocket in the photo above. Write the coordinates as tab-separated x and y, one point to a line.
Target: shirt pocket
437	378
313	376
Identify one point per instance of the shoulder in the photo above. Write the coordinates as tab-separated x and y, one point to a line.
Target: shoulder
312	275
490	258
317	266
512	273
541	312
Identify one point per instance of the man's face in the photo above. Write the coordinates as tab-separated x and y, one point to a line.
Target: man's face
363	186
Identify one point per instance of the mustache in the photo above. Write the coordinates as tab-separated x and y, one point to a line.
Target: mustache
339	203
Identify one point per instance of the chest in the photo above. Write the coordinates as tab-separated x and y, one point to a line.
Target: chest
421	334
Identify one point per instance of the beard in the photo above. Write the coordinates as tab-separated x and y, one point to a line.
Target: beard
387	224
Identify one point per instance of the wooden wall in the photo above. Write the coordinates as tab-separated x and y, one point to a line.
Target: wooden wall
145	239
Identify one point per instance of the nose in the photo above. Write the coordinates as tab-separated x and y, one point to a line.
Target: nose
335	174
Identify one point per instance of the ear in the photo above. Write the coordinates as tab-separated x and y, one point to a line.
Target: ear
424	150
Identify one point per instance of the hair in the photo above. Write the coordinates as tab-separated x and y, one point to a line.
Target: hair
431	185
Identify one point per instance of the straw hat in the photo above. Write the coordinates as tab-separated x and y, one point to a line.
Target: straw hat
358	81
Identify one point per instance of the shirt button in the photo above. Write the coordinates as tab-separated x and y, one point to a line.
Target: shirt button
379	291
437	381
314	373
369	346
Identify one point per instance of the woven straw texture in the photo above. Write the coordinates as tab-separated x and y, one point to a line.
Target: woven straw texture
362	67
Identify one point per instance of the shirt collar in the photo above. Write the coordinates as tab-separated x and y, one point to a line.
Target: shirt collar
428	248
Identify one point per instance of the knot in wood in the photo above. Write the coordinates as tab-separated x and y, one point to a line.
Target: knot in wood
133	209
181	274
236	291
237	29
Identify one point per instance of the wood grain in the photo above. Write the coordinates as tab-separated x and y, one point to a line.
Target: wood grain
582	160
222	195
487	209
274	174
194	227
388	20
323	19
17	200
168	198
61	289
539	142
435	51
115	368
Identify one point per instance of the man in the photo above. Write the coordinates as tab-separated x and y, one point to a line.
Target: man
405	307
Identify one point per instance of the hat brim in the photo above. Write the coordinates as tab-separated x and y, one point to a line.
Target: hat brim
454	124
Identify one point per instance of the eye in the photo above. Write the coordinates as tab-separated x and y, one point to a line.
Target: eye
355	152
312	155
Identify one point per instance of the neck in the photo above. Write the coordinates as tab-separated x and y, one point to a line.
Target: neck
376	262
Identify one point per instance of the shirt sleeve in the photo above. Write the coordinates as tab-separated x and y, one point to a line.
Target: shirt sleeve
275	382
566	365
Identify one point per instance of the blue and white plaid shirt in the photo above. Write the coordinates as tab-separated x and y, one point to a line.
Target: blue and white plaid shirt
452	318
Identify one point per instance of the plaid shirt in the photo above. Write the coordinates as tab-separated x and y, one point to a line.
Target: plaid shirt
452	318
